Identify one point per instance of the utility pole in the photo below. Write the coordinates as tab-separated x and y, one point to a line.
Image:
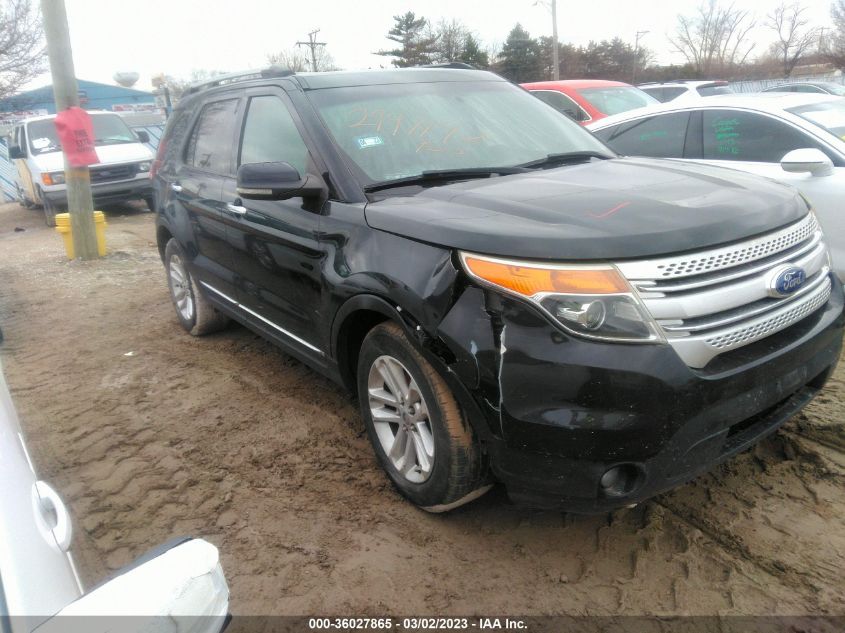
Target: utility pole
551	5
312	43
555	60
637	54
66	94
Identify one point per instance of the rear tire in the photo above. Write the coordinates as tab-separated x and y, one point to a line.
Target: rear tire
194	311
420	437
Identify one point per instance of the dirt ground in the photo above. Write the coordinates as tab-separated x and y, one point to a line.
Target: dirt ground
150	433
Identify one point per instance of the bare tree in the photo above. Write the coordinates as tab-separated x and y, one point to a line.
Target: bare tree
289	58
794	39
715	39
23	52
298	61
834	47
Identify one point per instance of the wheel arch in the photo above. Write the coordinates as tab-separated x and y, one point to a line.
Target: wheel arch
359	314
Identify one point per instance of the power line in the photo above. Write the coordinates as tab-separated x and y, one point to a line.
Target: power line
312	43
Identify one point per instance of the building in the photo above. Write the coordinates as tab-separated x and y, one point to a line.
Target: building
92	96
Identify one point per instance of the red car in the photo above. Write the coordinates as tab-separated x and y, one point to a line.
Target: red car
587	100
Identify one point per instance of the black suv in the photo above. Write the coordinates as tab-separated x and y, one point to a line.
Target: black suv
509	300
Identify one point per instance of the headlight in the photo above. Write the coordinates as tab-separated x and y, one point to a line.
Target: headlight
145	166
593	301
55	178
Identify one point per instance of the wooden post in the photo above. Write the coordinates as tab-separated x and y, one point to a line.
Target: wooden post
66	94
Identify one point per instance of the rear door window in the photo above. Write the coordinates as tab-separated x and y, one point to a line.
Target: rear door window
210	145
748	136
660	136
672	93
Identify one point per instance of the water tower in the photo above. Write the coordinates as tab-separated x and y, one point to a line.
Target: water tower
127	79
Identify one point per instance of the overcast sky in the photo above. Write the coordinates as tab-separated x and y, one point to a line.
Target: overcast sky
179	36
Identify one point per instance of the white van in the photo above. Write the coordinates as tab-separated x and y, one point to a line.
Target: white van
122	174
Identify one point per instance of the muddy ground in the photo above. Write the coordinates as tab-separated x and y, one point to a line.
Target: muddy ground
150	433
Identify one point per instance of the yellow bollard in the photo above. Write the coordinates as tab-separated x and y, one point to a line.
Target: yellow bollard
63	227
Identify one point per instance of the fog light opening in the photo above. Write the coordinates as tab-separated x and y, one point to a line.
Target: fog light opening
620	480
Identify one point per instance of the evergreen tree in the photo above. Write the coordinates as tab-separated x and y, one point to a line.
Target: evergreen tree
416	47
472	53
520	59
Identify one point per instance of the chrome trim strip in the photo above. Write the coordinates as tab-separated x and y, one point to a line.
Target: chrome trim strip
656	287
222	294
697	351
702	262
723	297
714	323
267	321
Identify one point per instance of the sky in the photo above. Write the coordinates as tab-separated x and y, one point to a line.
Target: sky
176	37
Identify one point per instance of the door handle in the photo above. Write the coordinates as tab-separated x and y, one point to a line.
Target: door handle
236	209
175	187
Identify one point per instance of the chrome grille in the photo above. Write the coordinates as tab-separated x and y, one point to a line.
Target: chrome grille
711	302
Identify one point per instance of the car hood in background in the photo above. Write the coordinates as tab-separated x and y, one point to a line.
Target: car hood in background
108	154
609	209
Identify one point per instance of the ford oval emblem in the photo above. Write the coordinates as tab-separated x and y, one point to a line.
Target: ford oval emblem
786	280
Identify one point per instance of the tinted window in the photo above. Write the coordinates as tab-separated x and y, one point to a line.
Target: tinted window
270	135
561	103
657	93
808	88
672	93
709	91
658	136
736	135
210	145
616	99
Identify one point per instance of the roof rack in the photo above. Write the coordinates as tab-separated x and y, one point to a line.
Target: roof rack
458	65
221	80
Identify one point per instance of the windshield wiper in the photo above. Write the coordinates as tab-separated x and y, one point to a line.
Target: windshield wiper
565	157
426	177
112	140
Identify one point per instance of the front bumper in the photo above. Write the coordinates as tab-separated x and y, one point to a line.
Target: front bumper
107	192
561	411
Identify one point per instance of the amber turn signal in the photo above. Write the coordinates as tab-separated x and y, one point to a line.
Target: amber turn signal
531	279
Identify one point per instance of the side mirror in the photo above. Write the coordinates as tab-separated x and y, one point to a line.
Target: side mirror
16	152
142	136
809	159
276	181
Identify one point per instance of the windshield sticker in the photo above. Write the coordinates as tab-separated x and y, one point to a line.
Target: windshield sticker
369	141
726	136
41	143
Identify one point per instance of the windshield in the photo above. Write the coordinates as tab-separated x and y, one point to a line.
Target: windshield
828	115
835	89
109	129
397	131
616	99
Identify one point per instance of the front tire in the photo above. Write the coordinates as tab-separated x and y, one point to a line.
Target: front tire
420	437
194	311
50	211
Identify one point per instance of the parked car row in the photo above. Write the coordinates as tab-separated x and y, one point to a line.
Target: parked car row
508	298
795	138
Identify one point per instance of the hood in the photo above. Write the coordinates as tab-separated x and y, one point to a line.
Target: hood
609	209
108	155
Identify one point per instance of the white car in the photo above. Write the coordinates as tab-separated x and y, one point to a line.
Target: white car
39	585
796	139
122	174
684	90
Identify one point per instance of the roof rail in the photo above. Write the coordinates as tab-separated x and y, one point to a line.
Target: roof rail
458	65
220	80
